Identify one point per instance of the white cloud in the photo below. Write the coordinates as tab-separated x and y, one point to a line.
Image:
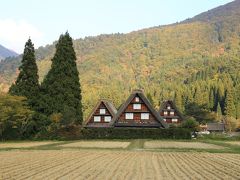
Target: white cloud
14	34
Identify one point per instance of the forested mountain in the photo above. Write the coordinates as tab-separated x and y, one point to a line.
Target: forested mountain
4	52
195	62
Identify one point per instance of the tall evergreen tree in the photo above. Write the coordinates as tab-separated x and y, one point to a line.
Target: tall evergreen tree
61	89
198	98
229	107
211	100
161	98
220	93
238	110
178	101
188	97
27	82
219	112
149	96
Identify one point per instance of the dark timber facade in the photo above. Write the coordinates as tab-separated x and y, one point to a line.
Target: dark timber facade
169	112
102	115
138	112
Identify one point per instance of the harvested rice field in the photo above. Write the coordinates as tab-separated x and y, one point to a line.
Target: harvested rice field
176	144
97	144
233	142
109	159
25	144
83	164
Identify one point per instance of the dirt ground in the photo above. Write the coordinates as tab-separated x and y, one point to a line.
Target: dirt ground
98	144
25	144
233	142
175	144
116	159
90	164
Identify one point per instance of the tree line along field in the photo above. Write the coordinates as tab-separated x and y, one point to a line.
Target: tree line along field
128	159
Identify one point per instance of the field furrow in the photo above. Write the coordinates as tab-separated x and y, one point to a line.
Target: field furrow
127	165
206	162
182	168
113	166
60	169
96	168
194	167
169	166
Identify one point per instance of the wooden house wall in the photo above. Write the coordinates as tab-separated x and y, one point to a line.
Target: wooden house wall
168	118
137	121
168	114
97	113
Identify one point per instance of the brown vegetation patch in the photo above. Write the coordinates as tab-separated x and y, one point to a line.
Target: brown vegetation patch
97	144
25	144
233	142
58	164
175	144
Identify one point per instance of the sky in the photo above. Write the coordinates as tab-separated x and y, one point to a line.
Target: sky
45	20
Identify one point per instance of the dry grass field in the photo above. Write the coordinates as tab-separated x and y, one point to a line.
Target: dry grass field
97	144
25	144
175	144
83	164
233	142
133	159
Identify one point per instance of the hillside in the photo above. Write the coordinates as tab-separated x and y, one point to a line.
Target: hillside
193	56
4	52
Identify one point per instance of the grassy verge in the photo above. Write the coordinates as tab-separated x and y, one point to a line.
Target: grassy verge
135	145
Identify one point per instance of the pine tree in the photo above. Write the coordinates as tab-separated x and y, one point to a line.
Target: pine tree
61	89
188	97
149	97
198	98
211	99
178	101
229	107
221	92
238	110
27	82
161	98
219	112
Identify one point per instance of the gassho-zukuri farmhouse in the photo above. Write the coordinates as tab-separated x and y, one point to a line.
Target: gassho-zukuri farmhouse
136	111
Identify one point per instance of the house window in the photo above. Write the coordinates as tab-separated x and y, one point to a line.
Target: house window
165	113
172	113
136	106
97	119
174	120
129	116
144	115
136	99
168	107
102	111
107	118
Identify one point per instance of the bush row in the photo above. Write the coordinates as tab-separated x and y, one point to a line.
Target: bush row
74	133
135	133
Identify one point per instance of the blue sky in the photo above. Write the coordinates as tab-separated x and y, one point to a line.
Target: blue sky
45	20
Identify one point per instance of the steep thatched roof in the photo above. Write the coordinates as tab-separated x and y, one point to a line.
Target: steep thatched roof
148	104
164	105
110	107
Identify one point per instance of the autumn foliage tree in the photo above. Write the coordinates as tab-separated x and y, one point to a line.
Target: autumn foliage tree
15	116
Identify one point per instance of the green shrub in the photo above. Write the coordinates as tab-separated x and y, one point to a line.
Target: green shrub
76	132
135	133
190	123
